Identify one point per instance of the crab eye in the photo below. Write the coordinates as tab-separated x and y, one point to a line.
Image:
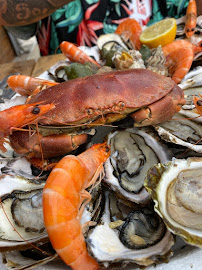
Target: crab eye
89	111
199	102
121	104
36	110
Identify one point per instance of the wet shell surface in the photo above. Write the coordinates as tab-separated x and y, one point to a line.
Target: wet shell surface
176	189
131	235
133	152
182	131
21	200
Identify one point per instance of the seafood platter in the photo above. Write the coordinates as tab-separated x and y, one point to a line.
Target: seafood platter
101	158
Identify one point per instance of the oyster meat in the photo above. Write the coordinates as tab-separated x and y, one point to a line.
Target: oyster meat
126	234
176	189
182	131
133	152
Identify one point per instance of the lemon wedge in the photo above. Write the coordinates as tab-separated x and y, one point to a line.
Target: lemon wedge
160	33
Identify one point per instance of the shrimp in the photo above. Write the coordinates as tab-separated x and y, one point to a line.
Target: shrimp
179	57
26	86
191	17
198	104
19	116
130	31
75	54
63	194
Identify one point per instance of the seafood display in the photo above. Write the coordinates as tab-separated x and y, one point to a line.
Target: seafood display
101	166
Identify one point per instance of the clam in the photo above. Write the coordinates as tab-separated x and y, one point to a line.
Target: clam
176	189
133	152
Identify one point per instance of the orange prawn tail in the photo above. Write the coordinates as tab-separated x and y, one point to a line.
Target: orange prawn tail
25	85
75	54
62	198
130	30
191	17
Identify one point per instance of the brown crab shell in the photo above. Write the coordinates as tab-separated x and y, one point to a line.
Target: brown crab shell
115	94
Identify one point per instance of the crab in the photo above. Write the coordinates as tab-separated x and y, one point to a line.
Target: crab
101	99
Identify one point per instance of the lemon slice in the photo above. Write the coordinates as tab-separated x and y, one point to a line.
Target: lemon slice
160	33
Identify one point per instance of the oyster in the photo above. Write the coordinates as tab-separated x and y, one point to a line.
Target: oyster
133	152
21	216
176	189
126	234
14	260
110	42
181	131
192	79
156	62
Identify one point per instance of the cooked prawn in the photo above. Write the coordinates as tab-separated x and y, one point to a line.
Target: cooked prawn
198	104
179	57
130	31
26	86
191	17
63	195
75	54
19	116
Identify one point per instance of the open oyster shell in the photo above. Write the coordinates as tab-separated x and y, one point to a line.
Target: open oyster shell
129	235
182	131
133	152
176	189
21	217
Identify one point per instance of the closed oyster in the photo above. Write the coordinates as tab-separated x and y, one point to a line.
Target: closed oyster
176	189
133	152
156	62
129	235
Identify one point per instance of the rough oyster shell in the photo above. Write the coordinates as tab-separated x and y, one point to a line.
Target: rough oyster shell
176	189
156	62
